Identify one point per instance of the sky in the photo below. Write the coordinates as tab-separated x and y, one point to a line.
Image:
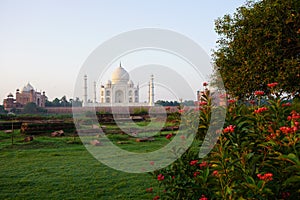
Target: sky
47	42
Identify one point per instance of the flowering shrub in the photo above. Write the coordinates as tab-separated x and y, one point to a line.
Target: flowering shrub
256	157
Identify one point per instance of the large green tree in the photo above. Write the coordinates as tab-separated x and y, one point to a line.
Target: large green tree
260	44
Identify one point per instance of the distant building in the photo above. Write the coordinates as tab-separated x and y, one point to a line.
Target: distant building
27	95
119	91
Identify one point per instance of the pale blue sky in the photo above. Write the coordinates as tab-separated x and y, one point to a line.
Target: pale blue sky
46	42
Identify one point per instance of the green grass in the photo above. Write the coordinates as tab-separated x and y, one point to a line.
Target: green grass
56	168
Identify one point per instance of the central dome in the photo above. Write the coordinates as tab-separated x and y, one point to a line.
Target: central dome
120	75
27	88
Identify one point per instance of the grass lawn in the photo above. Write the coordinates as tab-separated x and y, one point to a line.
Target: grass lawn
54	168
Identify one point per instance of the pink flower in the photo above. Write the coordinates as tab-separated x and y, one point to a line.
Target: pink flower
193	162
229	129
182	137
259	93
271	85
169	136
160	177
203	197
205	84
151	162
260	110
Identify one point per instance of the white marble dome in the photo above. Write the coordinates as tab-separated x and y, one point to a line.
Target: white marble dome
120	75
27	88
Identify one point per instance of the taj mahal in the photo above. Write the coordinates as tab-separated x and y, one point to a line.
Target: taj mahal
119	91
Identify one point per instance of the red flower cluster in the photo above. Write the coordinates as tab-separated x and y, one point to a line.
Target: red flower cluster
286	130
271	85
295	115
149	189
205	84
203	164
202	103
231	101
196	174
265	177
203	197
286	104
160	177
169	136
229	129
156	198
193	162
260	110
259	93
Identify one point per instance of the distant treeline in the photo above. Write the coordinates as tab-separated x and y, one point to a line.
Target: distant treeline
63	102
175	103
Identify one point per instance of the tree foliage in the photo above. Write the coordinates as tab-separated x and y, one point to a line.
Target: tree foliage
260	44
63	102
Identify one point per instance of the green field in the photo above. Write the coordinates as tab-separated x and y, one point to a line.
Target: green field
59	168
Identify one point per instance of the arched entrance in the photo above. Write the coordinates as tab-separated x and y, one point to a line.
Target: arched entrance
119	96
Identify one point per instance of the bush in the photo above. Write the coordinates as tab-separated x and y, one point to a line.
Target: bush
256	157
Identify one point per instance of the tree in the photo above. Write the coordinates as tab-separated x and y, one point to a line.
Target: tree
30	108
260	44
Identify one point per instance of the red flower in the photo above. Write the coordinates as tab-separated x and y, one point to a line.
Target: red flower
203	197
286	104
229	129
252	102
196	174
151	162
169	136
271	85
285	195
231	101
181	111
193	162
205	84
160	177
182	137
286	130
259	93
203	164
215	173
265	177
156	198
202	103
149	189
260	110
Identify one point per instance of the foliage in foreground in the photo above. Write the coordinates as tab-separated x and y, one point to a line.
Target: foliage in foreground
256	157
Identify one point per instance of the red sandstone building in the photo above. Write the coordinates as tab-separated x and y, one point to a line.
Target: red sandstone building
27	95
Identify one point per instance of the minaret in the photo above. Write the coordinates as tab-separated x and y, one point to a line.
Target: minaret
85	91
151	91
95	95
